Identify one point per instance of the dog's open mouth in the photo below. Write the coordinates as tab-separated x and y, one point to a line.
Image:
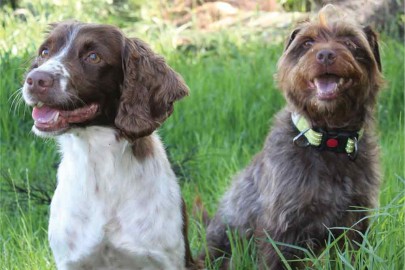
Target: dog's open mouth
327	86
49	119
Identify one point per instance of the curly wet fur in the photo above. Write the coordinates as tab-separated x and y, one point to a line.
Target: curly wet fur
298	195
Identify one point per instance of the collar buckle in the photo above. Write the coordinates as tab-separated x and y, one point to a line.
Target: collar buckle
300	139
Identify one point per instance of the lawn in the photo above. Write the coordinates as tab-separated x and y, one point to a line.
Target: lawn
212	134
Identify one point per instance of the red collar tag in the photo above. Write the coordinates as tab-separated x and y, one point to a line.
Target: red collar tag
332	142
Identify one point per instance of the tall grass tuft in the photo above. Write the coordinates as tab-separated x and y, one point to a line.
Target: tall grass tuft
211	135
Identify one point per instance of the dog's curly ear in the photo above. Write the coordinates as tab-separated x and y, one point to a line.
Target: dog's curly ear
150	87
372	39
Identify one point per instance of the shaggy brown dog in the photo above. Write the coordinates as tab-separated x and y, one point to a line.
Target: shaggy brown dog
320	161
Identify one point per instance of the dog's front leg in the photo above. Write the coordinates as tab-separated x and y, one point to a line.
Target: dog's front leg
269	258
217	242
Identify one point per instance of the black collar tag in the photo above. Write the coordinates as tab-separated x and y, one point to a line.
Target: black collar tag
336	141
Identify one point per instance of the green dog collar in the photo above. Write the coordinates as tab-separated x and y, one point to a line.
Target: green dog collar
336	141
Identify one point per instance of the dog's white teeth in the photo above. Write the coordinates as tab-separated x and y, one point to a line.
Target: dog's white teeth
341	81
39	104
55	118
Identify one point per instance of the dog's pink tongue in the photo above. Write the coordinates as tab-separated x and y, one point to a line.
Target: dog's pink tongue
44	114
326	84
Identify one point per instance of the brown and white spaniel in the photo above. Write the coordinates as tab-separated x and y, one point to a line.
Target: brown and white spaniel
117	204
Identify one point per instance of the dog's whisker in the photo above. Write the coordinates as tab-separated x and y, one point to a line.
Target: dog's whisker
15	99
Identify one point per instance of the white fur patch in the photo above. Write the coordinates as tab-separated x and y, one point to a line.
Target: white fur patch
111	210
54	65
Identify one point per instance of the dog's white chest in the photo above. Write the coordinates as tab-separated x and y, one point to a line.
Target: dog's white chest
113	211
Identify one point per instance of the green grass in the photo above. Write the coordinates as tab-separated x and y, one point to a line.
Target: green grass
212	134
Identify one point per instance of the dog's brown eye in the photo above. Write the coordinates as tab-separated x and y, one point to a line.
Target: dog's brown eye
308	44
93	58
44	53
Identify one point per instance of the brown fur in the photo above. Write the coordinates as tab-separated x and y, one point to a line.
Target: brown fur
134	87
296	195
143	147
147	96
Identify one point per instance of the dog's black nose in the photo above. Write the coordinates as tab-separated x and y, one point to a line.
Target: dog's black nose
326	57
39	81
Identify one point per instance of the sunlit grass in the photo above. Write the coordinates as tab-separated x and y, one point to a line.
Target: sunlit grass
212	134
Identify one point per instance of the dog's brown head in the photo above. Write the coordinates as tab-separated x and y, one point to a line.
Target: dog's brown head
90	74
331	71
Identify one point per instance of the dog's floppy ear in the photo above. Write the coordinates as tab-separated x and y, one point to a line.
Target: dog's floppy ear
149	89
372	39
291	38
